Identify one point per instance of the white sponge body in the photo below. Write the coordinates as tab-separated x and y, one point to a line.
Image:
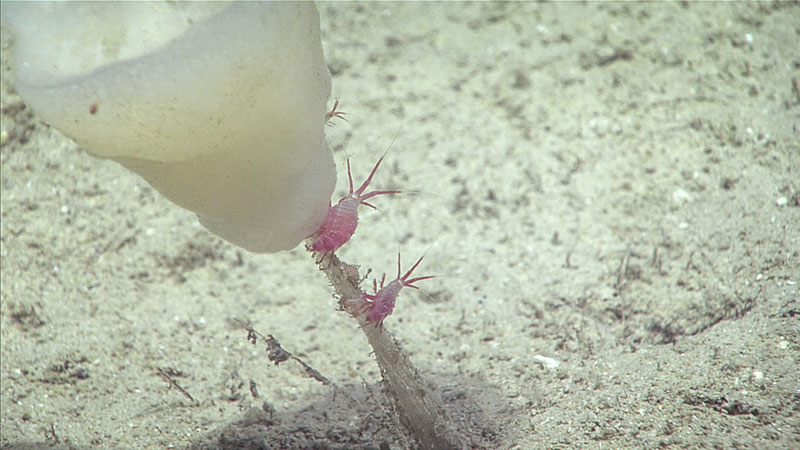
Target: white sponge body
219	106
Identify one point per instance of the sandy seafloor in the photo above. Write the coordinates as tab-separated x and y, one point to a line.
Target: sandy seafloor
613	186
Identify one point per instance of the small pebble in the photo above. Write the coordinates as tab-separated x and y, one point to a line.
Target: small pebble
679	197
550	363
781	201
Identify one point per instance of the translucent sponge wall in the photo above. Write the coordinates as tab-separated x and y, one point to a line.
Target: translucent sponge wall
219	106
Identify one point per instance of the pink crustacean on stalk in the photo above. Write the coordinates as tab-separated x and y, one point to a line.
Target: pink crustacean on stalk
342	218
379	305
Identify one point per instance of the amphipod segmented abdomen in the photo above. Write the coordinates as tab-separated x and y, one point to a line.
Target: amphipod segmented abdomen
339	226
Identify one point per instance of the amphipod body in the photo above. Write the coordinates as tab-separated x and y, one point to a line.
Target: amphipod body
334	113
342	218
379	305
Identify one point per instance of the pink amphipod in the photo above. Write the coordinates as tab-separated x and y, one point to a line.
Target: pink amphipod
342	218
379	305
334	113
